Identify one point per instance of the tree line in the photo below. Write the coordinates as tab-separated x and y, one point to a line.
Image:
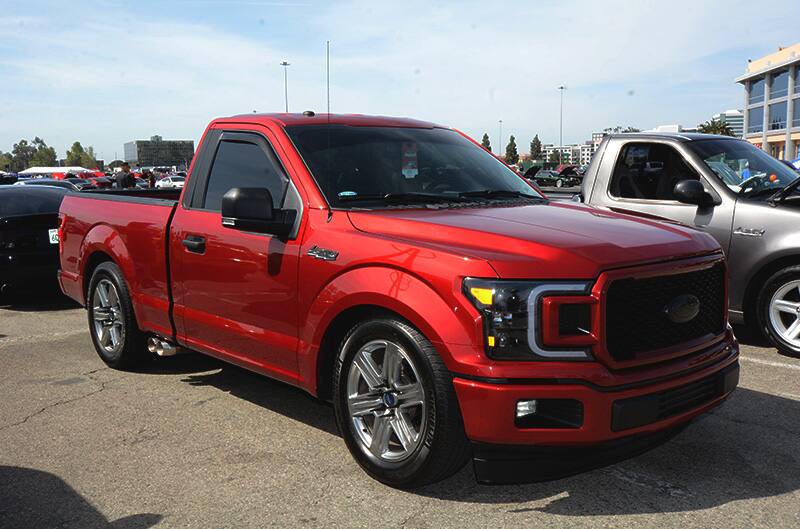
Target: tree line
536	152
511	156
36	153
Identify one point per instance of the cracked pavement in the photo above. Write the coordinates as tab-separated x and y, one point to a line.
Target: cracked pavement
192	442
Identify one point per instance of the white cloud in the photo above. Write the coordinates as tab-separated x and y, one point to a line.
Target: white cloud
462	64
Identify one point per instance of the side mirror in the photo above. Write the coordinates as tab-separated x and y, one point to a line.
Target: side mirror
692	192
250	209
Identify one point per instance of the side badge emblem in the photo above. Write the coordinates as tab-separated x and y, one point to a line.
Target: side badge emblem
322	253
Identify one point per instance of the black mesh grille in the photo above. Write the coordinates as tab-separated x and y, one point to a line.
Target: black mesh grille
636	315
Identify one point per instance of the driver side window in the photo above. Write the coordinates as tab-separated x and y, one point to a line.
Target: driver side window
649	171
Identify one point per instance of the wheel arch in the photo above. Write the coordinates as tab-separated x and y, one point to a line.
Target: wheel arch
357	296
756	281
95	259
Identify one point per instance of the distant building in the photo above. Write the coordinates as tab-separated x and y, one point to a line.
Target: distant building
676	128
158	152
772	110
564	150
734	119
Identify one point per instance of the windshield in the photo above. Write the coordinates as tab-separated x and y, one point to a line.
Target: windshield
360	166
177	178
743	167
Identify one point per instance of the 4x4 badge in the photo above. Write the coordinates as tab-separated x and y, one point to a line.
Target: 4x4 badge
322	253
750	232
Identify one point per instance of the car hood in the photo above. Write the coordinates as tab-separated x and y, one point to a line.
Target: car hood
547	240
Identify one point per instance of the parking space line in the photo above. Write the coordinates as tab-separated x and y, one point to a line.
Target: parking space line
769	363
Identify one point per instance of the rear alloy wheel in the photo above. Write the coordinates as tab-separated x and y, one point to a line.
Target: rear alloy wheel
112	322
109	327
396	406
779	310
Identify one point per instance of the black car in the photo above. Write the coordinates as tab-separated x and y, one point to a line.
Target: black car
64	184
81	183
29	236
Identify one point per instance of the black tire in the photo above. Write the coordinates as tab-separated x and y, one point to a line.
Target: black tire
766	326
130	350
443	448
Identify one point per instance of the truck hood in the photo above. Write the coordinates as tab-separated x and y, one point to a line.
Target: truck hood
548	240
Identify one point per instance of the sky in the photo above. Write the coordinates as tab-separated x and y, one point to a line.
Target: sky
104	72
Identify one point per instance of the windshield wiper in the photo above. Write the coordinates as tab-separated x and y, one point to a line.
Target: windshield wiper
785	191
497	193
403	198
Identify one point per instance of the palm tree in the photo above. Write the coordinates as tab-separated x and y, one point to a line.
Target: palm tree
715	126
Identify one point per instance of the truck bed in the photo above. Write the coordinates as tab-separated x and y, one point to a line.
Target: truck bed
136	224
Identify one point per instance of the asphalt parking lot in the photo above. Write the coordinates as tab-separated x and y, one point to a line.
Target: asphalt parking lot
192	442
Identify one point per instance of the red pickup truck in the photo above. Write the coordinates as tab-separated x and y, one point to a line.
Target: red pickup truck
399	270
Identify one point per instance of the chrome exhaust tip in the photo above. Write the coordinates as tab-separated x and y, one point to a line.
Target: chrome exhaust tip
166	349
161	347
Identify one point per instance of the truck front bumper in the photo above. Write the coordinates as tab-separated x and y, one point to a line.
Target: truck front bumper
591	425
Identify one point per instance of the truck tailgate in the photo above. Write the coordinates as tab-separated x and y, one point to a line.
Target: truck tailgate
133	232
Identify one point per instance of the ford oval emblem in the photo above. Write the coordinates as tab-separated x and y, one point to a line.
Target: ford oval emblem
683	308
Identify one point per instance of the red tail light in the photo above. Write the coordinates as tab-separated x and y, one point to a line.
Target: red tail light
61	222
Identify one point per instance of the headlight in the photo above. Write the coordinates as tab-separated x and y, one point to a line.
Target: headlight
529	320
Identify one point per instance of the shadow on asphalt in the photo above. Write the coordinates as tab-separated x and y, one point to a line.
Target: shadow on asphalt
32	498
37	300
276	396
747	448
744	449
181	364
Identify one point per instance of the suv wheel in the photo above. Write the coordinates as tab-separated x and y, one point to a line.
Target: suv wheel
396	407
779	310
112	323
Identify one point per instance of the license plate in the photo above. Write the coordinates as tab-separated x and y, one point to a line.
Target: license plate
53	236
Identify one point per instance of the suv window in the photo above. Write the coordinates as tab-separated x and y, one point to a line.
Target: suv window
243	164
649	171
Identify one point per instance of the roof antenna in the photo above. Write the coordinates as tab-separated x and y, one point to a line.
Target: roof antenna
328	74
328	94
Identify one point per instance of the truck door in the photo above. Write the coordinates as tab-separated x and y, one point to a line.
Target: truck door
235	292
643	178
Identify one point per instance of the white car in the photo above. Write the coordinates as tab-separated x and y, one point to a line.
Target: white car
171	182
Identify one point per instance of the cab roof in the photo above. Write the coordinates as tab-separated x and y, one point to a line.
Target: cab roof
678	136
310	118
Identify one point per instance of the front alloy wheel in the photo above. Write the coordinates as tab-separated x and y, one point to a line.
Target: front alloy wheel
386	401
396	406
784	313
779	310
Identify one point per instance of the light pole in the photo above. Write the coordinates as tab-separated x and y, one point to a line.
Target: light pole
285	65
561	117
500	138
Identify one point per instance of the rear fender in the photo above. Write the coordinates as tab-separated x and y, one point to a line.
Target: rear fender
105	239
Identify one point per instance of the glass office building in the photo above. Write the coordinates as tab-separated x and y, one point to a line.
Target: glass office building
772	102
158	152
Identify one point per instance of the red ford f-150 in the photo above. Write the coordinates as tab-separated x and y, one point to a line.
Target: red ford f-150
396	268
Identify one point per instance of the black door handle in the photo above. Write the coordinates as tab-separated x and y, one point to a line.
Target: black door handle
195	243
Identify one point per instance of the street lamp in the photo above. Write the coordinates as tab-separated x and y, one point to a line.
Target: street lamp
561	118
500	138
285	65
